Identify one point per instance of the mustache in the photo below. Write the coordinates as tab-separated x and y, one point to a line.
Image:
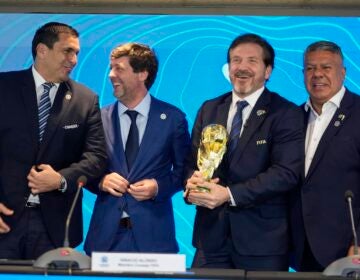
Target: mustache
243	73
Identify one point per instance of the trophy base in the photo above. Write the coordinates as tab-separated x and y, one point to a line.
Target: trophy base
202	189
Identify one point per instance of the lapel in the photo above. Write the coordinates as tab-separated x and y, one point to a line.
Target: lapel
306	118
341	115
257	116
114	141
28	93
58	111
223	111
115	150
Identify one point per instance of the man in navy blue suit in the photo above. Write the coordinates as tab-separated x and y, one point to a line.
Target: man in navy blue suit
243	222
133	211
321	224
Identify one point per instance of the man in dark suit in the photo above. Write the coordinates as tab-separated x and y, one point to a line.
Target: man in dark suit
45	149
133	211
320	218
242	221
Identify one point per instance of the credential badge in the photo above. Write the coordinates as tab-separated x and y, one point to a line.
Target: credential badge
260	112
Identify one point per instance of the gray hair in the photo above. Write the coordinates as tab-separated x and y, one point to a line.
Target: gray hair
324	46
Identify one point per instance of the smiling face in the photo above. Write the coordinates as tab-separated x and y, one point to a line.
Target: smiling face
55	64
247	69
324	75
129	87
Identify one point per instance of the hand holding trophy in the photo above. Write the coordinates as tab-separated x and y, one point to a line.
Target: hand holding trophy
211	151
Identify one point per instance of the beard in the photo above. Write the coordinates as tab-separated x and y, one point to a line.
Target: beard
119	94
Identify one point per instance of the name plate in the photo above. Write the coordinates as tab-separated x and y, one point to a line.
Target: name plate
137	262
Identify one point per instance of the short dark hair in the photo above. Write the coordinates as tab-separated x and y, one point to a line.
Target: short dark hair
141	58
324	46
269	53
48	34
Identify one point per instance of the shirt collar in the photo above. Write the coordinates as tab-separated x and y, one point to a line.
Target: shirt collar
39	80
142	108
335	100
251	99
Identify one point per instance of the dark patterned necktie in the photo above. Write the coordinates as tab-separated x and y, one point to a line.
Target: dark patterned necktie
236	126
44	108
132	142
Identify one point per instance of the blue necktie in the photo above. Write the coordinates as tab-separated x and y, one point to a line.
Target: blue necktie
132	142
236	126
44	109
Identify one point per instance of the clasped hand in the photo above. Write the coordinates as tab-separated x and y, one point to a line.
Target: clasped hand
43	178
117	185
216	196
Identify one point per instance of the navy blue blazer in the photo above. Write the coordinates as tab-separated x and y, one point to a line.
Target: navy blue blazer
319	209
73	144
161	156
263	169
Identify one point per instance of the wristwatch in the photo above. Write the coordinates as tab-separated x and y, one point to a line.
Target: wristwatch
63	185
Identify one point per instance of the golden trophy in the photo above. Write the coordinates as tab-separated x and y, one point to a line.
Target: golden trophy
211	151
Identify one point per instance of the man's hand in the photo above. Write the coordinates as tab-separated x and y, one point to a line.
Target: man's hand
216	196
43	178
196	179
192	183
144	189
114	184
4	228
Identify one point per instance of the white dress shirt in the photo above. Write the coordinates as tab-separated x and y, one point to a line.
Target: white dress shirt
317	125
143	109
251	100
39	81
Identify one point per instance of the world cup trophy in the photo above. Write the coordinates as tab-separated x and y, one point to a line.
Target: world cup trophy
211	151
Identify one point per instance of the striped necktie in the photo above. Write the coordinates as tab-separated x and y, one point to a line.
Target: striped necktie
44	108
236	126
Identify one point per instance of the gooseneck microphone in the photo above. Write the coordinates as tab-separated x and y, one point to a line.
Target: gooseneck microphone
66	257
349	196
348	266
80	183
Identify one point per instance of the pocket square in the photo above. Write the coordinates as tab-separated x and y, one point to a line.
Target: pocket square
261	142
71	126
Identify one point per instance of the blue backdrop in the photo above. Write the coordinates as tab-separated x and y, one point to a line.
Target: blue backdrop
192	55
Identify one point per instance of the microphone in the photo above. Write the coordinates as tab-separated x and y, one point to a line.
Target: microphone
66	257
349	196
80	183
347	266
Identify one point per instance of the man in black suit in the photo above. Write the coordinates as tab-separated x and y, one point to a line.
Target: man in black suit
320	218
242	222
50	134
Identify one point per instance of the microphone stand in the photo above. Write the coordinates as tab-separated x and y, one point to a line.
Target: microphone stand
348	266
66	257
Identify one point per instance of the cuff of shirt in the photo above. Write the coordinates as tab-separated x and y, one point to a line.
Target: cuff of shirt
231	201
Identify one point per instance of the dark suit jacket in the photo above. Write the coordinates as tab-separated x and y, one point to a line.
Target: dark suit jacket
161	156
73	144
319	209
265	166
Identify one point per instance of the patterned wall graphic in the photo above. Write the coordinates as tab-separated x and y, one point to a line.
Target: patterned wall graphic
192	55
